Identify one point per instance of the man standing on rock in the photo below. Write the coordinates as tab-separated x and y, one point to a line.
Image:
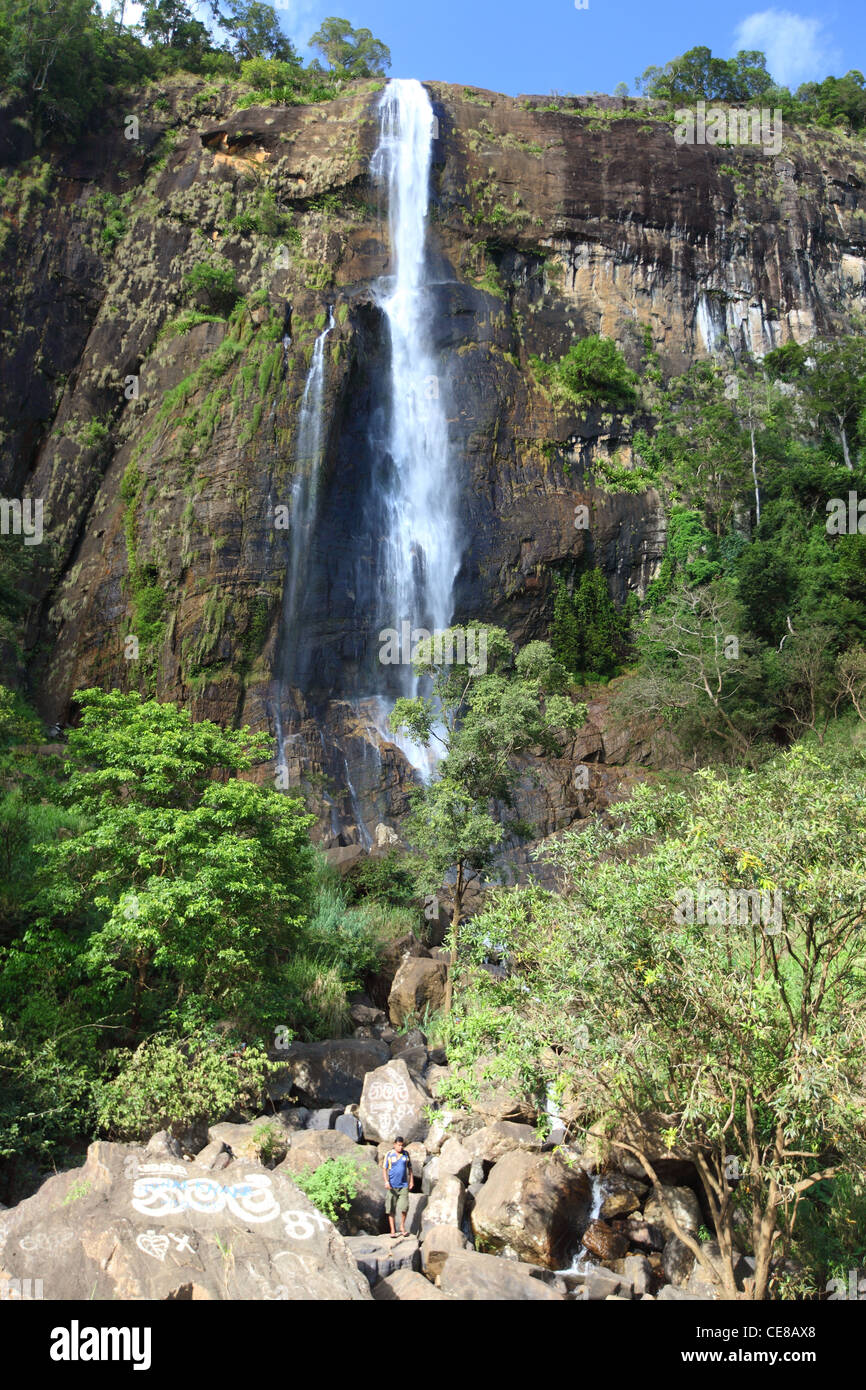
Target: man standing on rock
397	1169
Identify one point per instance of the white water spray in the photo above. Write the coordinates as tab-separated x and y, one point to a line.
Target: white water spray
420	555
305	494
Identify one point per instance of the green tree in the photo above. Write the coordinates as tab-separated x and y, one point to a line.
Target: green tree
594	373
698	74
481	722
172	23
741	1020
254	30
193	881
351	52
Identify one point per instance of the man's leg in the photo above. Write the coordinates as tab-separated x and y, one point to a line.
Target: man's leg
389	1209
403	1204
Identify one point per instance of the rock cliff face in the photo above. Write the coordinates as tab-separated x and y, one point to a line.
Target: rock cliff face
166	458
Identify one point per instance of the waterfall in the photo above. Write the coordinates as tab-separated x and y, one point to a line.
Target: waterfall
418	555
305	491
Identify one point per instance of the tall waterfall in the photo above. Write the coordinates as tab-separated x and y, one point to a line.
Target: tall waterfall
305	492
418	554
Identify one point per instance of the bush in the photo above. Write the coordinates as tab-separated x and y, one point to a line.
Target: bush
216	282
176	1081
594	372
331	1187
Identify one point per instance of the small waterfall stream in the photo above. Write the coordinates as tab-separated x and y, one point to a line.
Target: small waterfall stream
305	493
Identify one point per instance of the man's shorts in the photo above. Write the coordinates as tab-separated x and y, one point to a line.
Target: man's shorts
396	1199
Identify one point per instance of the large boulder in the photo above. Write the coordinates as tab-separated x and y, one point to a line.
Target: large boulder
671	1165
683	1205
326	1073
406	1286
264	1141
472	1278
444	1204
379	1256
533	1205
602	1241
453	1160
439	1242
123	1227
419	986
379	985
392	1103
491	1142
367	1208
622	1196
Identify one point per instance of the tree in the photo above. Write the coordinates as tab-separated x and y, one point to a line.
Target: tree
172	23
481	723
254	30
351	52
835	387
701	672
594	373
587	634
192	882
698	74
744	1027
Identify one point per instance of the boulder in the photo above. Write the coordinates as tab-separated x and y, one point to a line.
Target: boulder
444	1204
498	1099
534	1205
638	1271
379	986
454	1159
644	1235
595	1283
326	1073
701	1282
392	1103
437	1244
671	1294
622	1196
379	1256
672	1165
367	1208
366	1016
472	1278
293	1116
164	1145
677	1261
325	1118
491	1142
124	1227
405	1042
683	1204
264	1141
406	1286
602	1241
417	1203
215	1156
418	987
349	1125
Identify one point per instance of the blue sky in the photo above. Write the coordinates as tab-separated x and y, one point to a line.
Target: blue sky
549	45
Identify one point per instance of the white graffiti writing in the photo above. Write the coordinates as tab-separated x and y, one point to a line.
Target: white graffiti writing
157	1243
387	1101
250	1200
299	1224
46	1241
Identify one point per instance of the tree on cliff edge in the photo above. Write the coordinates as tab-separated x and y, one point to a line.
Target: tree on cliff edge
481	716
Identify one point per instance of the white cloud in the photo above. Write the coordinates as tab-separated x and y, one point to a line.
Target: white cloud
798	49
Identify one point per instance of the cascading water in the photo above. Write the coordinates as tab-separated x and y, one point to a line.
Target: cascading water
305	492
418	555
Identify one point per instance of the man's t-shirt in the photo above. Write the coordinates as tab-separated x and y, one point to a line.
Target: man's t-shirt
397	1168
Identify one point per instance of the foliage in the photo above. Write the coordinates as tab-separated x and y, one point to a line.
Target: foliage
171	1081
350	52
592	373
587	634
216	282
332	1186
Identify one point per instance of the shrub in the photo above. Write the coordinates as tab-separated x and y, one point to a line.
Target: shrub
331	1187
175	1081
216	282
